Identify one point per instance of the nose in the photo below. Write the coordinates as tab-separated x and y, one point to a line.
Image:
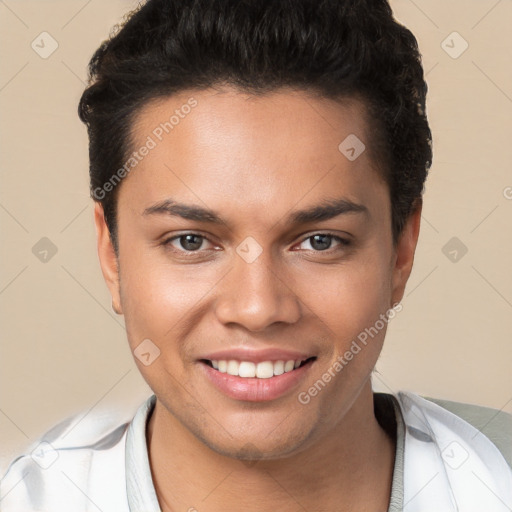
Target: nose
257	295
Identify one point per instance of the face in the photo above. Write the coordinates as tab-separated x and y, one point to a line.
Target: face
252	255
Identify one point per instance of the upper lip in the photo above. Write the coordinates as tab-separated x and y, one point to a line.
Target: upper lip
256	356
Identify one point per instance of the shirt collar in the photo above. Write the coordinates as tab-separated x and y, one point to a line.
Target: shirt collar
139	484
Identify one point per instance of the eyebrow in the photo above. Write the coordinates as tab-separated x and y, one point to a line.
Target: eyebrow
326	210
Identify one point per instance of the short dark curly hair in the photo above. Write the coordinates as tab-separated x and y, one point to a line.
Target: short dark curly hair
335	48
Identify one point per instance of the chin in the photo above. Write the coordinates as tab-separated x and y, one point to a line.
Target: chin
250	452
259	444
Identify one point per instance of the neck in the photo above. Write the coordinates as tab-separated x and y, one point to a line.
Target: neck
350	469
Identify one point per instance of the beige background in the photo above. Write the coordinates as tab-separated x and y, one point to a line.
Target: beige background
63	350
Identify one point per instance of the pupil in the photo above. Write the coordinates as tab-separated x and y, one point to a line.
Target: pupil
187	242
321	242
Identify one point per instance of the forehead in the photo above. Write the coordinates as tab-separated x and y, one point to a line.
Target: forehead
228	146
276	121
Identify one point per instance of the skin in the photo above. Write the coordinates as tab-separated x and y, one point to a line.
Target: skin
254	160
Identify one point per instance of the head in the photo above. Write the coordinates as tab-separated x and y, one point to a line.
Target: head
257	169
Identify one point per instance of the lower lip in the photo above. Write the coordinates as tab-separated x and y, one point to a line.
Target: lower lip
254	389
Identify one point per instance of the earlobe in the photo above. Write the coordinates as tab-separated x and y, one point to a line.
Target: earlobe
107	257
404	253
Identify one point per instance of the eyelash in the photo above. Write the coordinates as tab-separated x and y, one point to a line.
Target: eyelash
343	243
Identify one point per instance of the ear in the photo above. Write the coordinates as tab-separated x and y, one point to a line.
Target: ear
404	253
107	257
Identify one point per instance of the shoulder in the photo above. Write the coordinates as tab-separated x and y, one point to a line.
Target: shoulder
69	464
445	443
495	424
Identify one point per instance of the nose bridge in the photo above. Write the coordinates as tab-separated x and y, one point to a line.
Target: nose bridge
254	294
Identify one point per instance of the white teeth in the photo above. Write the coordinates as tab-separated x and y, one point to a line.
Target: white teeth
278	367
233	367
265	370
247	369
262	370
288	366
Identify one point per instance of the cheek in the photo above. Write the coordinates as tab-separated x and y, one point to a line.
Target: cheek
158	304
350	298
162	301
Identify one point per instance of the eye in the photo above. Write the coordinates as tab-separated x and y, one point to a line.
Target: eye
188	242
323	241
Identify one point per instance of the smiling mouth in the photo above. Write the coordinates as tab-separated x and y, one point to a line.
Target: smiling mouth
261	370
